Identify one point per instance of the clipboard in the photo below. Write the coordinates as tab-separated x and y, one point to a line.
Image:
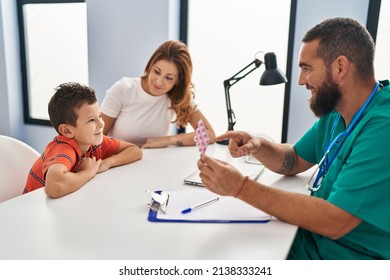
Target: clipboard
225	210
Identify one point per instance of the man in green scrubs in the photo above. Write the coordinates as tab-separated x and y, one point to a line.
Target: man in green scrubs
347	215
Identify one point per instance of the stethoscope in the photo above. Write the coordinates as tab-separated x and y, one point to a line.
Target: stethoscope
314	183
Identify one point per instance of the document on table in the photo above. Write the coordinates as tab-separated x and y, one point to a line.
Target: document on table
223	210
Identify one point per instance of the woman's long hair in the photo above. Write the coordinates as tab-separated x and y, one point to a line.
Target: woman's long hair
181	94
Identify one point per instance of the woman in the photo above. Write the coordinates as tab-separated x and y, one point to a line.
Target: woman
142	109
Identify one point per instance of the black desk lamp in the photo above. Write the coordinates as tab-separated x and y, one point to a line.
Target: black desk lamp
271	76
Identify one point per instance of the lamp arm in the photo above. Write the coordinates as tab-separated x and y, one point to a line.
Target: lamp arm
230	112
234	79
230	82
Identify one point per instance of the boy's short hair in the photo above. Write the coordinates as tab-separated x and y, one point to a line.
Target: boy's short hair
68	98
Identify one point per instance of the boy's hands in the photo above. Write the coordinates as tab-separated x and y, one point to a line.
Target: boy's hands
60	181
90	164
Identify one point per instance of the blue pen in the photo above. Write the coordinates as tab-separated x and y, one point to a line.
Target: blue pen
188	210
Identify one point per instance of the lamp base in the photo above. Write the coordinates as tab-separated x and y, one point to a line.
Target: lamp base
223	142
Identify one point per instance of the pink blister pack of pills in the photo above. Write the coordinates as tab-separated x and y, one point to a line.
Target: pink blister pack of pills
201	137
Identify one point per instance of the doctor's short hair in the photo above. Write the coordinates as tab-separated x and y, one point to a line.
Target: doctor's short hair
344	36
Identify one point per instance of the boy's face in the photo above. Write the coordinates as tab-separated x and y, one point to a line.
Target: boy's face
89	130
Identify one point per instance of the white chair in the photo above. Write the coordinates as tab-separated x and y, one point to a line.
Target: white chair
16	160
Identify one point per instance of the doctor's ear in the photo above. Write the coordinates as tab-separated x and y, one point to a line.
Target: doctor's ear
341	66
65	130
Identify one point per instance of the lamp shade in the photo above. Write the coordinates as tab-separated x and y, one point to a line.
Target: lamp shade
272	74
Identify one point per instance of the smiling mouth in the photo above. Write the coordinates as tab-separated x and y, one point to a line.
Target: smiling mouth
157	87
311	89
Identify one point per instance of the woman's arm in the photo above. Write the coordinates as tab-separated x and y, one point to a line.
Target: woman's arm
108	123
182	139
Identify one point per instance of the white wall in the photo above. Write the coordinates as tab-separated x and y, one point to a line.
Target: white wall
4	110
122	36
242	36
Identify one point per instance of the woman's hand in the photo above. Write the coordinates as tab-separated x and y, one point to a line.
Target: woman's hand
157	142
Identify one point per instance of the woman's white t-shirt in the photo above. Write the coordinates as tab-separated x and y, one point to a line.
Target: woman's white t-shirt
138	114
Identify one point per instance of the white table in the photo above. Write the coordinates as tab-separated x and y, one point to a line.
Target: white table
107	218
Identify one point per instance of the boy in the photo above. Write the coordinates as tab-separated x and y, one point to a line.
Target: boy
80	151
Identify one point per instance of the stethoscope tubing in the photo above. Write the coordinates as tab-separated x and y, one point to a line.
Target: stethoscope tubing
324	168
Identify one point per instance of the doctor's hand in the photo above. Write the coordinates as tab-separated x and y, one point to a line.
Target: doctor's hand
218	176
241	143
